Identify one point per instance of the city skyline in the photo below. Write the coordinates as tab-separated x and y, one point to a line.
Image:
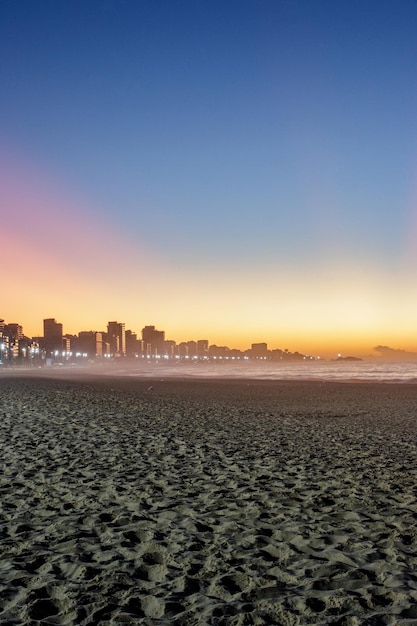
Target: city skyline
118	341
234	170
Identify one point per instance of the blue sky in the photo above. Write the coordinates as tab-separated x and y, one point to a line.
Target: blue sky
226	136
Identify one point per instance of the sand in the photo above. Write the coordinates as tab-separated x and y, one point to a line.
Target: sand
130	501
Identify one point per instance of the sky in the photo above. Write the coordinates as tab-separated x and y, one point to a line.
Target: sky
238	171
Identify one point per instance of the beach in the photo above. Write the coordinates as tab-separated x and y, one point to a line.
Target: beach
132	501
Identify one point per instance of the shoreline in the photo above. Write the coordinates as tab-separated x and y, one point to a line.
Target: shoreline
84	374
401	373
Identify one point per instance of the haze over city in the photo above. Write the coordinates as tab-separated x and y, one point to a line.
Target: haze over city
240	171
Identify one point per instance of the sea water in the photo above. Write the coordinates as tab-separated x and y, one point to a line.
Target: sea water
343	371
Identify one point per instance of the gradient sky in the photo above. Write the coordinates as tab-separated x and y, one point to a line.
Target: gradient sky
239	171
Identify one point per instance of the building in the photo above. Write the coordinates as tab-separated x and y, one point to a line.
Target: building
133	344
192	348
170	348
13	331
4	343
219	352
154	341
202	347
259	350
14	334
183	350
116	338
89	343
52	341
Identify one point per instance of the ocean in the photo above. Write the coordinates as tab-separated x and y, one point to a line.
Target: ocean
343	371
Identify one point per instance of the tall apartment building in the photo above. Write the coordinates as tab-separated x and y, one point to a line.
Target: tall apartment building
183	349
170	348
52	336
4	343
133	344
154	340
202	347
116	338
192	348
90	343
15	334
14	331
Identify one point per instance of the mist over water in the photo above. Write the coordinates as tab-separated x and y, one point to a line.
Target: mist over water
339	371
342	371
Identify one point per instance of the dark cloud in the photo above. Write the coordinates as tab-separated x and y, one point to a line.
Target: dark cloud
395	354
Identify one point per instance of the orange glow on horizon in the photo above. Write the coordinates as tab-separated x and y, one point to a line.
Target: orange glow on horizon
67	264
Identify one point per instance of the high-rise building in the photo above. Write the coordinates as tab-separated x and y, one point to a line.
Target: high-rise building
67	345
192	348
183	349
13	331
116	337
170	348
202	347
4	343
133	345
52	341
155	339
90	343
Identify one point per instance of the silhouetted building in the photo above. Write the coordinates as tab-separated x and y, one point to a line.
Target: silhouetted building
13	331
4	348
278	355
202	347
170	348
68	341
35	352
259	350
89	343
133	344
235	353
155	339
52	337
218	351
106	345
11	335
183	349
192	348
116	337
2	344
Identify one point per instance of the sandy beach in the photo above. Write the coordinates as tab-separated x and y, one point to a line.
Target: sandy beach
127	501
